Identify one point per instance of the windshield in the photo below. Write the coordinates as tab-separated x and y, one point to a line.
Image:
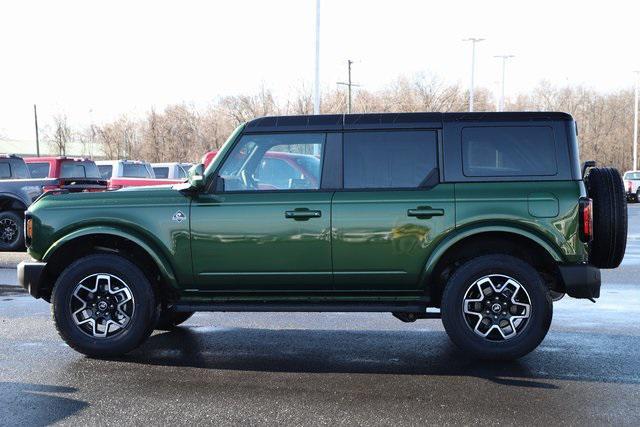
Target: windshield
632	175
75	169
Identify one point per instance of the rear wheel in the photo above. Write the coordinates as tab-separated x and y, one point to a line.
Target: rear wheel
11	231
606	189
103	306
496	307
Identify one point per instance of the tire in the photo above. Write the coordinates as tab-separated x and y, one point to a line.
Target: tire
606	189
503	343
94	272
11	232
169	319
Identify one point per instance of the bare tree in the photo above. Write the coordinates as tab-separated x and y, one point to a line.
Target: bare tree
61	135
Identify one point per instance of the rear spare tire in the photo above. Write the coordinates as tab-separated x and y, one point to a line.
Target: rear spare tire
605	188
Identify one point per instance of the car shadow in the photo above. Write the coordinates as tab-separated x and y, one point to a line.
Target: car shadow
36	404
426	353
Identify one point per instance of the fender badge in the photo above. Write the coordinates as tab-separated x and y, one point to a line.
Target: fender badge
179	216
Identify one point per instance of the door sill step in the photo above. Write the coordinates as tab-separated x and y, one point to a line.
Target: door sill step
348	307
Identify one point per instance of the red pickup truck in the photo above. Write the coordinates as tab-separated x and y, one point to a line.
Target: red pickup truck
130	173
77	174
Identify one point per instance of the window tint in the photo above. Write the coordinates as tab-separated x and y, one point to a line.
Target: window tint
38	170
136	170
75	169
161	172
274	162
389	159
5	170
105	171
508	151
19	169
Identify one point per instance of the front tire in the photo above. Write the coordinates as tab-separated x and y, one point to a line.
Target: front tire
104	306
496	307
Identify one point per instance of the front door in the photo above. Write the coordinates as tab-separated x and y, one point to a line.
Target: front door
391	211
269	228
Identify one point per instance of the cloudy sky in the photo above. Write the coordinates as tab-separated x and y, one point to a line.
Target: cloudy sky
95	60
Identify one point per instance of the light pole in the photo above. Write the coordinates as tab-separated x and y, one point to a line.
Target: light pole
316	86
504	66
473	41
635	123
349	85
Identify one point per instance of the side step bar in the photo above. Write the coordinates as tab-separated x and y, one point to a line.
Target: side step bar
420	309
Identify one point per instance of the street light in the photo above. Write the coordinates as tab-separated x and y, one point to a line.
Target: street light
635	123
316	86
504	66
473	41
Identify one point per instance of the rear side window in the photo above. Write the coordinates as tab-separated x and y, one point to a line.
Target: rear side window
38	170
161	172
5	171
75	169
508	151
388	159
19	169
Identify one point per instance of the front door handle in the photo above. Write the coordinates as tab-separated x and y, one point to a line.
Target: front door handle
425	212
302	214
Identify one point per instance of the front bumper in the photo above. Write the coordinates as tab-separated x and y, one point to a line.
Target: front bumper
30	277
581	281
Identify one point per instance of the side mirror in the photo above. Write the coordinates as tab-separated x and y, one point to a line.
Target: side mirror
196	176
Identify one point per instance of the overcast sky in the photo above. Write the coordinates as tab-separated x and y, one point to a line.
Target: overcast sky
95	60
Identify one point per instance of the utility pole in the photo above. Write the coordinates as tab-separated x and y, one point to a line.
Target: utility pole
349	85
316	86
35	117
473	41
504	66
635	123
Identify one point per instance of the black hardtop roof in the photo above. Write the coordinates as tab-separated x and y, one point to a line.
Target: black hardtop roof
390	120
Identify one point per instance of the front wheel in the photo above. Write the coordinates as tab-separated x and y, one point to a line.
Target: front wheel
496	307
103	305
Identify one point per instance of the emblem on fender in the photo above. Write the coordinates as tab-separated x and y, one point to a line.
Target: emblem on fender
179	216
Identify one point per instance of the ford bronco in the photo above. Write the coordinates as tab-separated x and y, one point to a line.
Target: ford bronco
482	219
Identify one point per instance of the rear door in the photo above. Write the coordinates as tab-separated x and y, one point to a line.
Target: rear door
387	219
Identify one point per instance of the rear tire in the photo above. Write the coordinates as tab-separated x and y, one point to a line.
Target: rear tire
606	189
489	295
11	232
104	306
169	318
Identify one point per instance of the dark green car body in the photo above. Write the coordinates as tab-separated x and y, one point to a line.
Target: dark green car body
375	247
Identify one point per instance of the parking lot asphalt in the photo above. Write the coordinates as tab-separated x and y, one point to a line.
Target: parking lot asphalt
338	368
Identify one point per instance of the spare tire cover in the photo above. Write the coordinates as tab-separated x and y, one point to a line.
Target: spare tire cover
606	189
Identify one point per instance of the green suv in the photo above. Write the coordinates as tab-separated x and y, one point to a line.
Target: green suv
482	219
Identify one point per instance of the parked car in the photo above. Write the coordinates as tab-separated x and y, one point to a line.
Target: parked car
18	189
632	185
281	170
482	219
170	170
130	173
81	173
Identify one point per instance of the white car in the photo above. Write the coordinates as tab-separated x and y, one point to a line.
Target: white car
170	170
631	184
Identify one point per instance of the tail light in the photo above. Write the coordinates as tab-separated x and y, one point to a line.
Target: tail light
629	186
585	205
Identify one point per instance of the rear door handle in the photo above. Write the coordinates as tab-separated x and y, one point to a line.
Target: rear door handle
302	214
425	212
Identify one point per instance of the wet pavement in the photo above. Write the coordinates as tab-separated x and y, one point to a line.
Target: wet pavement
314	368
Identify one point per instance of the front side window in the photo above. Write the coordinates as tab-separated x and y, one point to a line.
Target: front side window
274	162
136	170
388	159
508	151
19	169
182	173
75	169
38	170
